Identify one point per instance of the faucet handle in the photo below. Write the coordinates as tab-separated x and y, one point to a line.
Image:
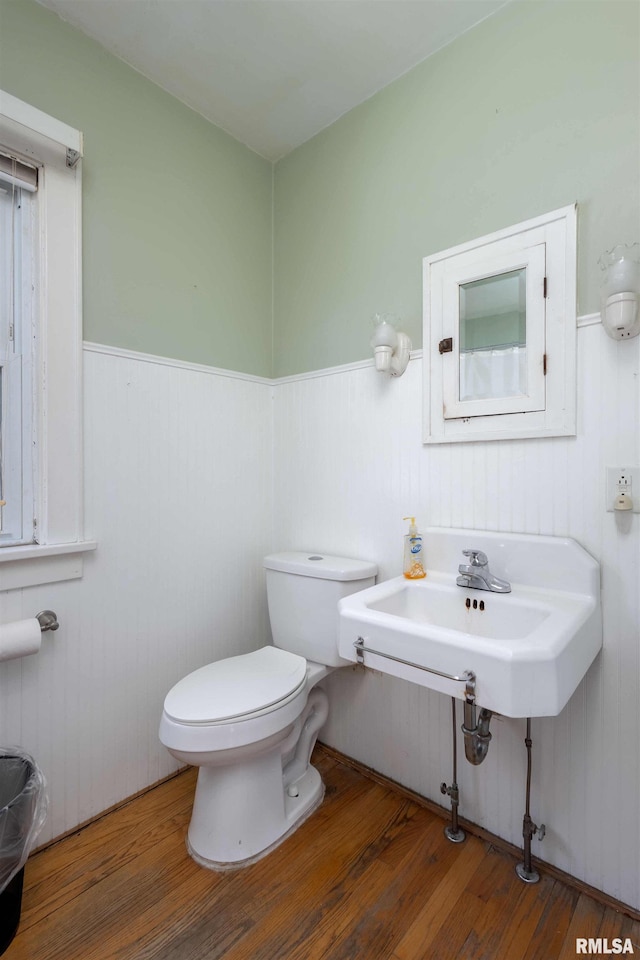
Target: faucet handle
477	557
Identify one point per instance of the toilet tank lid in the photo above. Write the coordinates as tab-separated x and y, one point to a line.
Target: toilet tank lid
321	566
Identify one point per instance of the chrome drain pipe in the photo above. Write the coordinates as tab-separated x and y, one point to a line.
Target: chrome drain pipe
475	728
525	870
453	832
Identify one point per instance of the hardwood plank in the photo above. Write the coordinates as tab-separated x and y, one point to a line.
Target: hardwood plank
451	940
360	923
516	936
369	876
446	887
585	922
475	830
550	931
615	924
183	925
68	868
498	889
80	925
339	861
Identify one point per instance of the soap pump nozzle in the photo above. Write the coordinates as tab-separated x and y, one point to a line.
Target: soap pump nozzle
412	526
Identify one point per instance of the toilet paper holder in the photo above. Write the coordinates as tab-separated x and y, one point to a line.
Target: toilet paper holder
48	620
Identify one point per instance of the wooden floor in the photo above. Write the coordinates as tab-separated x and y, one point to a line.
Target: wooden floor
369	876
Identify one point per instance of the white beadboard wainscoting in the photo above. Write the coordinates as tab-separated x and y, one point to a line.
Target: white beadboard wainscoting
179	498
349	465
193	474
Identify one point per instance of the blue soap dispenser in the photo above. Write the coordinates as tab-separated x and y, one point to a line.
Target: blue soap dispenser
413	566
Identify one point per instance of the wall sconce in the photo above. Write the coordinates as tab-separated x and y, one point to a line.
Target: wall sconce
621	291
391	349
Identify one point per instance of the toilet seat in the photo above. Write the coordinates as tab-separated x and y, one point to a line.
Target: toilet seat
236	688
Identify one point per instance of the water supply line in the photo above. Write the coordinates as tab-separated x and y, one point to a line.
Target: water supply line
475	728
453	832
524	870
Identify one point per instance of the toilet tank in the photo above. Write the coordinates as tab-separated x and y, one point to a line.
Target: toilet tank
303	590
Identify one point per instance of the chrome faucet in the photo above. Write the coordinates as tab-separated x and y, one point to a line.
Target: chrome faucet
476	574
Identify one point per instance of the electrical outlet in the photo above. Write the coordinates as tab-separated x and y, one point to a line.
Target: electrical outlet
623	480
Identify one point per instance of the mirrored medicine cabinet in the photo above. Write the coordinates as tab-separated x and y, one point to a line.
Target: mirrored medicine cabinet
499	334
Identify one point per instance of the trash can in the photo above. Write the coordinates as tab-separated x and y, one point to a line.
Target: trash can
23	809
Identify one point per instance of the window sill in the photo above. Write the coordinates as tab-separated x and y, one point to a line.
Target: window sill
35	564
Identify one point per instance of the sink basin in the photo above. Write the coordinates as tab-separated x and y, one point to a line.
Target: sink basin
528	649
437	602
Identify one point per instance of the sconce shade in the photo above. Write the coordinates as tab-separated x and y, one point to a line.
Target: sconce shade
384	335
391	349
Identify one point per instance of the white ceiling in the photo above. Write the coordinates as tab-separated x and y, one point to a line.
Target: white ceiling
273	73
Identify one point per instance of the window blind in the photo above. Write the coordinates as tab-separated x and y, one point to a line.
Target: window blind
18	173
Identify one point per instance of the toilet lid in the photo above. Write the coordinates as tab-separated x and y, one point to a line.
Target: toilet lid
230	688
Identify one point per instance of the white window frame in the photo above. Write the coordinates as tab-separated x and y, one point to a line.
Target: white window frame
16	366
56	149
546	245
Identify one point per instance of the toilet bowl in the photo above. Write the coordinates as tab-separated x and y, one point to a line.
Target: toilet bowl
250	722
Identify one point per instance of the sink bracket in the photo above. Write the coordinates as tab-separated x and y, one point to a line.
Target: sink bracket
468	676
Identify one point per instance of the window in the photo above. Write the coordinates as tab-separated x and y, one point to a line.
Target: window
499	334
40	347
18	297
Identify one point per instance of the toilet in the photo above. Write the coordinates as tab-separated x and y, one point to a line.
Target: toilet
250	722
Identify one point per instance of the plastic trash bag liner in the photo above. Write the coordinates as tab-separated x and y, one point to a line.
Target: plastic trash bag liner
23	809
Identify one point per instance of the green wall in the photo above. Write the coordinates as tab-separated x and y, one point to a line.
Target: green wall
535	108
177	214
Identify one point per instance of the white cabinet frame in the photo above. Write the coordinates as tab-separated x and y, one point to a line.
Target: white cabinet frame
546	246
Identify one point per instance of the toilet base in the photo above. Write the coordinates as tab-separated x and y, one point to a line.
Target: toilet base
275	822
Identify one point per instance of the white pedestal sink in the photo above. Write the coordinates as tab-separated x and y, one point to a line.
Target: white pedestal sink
528	649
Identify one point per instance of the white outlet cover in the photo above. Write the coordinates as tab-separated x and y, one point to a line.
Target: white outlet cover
615	486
